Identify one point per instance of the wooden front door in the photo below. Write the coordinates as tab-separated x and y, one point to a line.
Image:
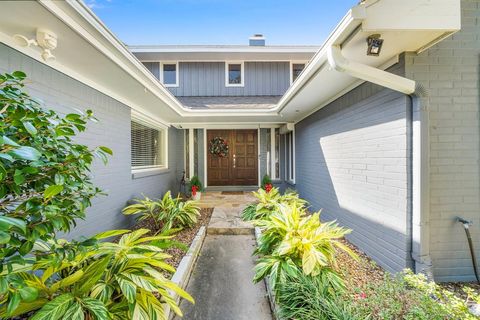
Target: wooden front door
240	166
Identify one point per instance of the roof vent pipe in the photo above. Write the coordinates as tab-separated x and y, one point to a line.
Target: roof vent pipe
257	40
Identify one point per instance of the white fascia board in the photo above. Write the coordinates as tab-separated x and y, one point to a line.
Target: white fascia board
226	49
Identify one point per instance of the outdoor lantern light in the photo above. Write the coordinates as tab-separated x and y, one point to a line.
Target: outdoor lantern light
374	45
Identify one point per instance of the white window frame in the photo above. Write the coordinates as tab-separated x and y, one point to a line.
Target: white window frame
291	67
272	171
177	73
290	153
242	74
138	172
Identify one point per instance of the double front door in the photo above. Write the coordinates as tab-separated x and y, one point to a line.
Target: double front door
239	167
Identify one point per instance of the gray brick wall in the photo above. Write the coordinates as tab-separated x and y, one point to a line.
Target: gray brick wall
351	162
450	73
62	93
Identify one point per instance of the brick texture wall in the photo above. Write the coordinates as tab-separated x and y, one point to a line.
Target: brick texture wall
63	94
450	73
351	162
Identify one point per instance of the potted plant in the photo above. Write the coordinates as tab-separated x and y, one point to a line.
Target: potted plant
267	183
196	188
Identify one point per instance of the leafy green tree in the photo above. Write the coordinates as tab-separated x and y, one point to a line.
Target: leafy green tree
44	175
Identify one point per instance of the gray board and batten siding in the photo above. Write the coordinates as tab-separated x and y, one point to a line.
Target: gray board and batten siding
206	79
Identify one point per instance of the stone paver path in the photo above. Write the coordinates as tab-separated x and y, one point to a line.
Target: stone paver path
221	282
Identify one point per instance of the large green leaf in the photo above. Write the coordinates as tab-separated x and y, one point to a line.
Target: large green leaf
4	237
55	309
110	233
25	153
13	303
12	222
30	128
74	311
97	308
92	274
28	294
52	191
128	288
106	150
6	140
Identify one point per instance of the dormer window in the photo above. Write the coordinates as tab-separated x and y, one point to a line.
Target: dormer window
234	74
296	69
169	74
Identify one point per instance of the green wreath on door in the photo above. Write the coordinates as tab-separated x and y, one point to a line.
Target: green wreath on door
218	147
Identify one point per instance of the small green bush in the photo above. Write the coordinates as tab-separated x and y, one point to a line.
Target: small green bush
166	213
312	298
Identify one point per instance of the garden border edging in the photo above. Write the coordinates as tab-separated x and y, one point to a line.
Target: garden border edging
184	270
271	295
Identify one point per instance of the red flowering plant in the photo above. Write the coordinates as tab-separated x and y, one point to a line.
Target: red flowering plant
268	187
194	190
267	183
195	185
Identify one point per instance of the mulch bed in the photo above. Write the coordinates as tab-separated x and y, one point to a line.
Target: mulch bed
185	236
358	273
366	271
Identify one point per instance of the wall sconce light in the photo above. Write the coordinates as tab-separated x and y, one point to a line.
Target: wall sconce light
45	39
374	45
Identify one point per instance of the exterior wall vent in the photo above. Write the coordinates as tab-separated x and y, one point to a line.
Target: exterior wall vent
257	40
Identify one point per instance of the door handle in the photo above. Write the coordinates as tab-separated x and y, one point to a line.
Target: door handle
234	161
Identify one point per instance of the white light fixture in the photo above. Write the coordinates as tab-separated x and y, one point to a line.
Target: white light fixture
374	45
45	39
23	41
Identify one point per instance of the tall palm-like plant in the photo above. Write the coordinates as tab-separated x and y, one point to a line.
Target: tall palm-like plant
291	240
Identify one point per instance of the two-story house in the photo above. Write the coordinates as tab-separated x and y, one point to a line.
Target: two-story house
231	77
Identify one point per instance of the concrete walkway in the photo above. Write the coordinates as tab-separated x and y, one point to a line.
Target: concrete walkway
221	283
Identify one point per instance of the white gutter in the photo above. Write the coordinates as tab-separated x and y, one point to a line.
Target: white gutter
365	72
418	210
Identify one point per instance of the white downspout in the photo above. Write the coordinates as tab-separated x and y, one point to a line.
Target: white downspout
358	70
419	233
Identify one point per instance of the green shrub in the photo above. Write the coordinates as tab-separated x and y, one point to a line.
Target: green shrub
167	213
269	202
292	240
312	298
109	281
44	176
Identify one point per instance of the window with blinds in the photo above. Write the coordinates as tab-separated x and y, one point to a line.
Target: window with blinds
148	146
